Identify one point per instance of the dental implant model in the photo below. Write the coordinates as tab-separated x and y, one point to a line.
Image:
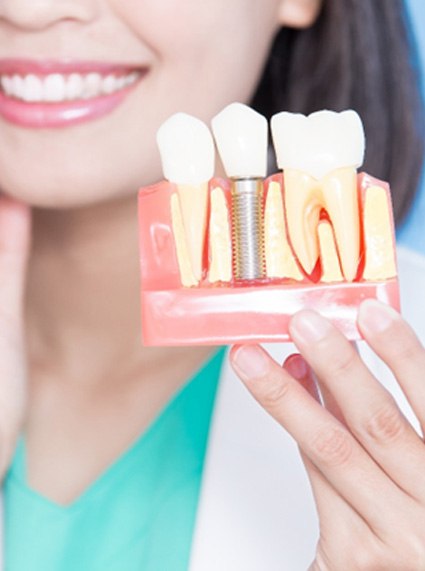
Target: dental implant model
231	260
241	135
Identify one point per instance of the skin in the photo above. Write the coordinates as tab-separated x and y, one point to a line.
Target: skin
73	373
357	435
77	377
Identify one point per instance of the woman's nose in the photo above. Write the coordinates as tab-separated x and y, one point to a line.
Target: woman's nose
39	14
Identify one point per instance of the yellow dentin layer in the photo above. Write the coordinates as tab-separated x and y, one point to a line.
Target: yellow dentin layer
280	261
220	241
305	197
331	269
186	273
378	236
194	204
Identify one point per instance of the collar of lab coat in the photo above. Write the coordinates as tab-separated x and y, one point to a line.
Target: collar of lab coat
256	510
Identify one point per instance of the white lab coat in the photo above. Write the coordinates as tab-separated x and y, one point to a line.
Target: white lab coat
256	511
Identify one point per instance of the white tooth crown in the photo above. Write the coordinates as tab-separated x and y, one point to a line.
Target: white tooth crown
56	87
187	150
319	143
241	135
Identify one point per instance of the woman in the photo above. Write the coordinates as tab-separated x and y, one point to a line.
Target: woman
73	372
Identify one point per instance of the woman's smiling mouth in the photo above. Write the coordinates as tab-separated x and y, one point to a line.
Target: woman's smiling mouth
56	94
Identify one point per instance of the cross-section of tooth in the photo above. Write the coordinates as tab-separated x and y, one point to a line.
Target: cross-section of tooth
280	261
188	157
303	204
220	241
341	201
183	257
305	197
378	236
319	155
331	270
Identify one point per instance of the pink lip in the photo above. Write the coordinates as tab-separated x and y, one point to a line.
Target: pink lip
49	115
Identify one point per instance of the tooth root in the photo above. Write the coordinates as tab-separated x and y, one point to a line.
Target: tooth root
183	257
341	202
331	269
303	212
378	236
280	262
220	241
194	203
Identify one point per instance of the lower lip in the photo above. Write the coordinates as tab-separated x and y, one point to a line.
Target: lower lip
56	115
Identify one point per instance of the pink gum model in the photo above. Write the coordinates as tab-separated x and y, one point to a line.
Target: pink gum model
212	314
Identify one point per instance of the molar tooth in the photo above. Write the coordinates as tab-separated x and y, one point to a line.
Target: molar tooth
337	194
319	155
320	143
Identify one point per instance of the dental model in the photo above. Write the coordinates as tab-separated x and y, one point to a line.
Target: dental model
241	135
231	260
188	159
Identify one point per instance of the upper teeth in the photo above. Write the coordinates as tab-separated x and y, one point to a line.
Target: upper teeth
56	87
320	143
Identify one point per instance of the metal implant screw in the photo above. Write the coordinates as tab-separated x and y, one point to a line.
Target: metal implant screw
247	224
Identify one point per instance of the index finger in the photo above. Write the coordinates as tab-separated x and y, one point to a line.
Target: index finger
332	448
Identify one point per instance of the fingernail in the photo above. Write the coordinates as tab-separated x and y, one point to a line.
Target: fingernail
375	316
251	361
296	367
309	327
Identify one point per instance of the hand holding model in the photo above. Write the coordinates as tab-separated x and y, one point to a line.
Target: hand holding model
364	460
14	247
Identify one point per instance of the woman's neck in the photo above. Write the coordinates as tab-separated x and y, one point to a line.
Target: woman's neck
83	312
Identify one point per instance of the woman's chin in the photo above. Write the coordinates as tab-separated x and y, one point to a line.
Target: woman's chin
59	196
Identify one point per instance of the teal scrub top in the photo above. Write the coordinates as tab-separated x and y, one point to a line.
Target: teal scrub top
138	515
